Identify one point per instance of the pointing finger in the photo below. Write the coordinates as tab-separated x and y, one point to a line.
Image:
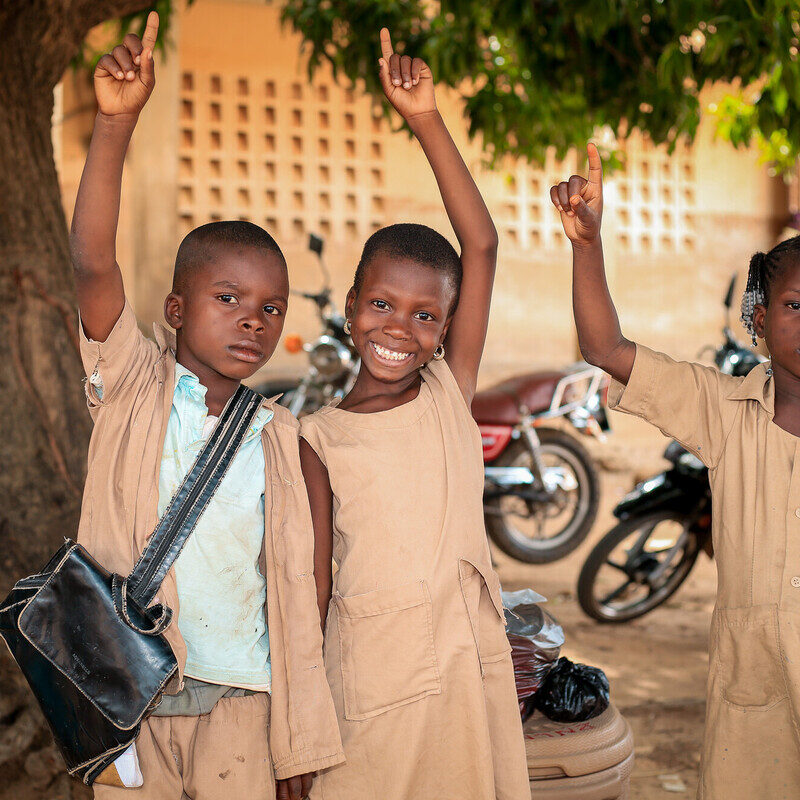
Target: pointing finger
151	30
385	78
386	44
595	164
147	72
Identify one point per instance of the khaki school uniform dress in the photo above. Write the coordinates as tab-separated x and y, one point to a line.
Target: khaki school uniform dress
415	649
752	735
294	730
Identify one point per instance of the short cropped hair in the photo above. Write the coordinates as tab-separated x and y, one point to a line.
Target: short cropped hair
412	242
202	244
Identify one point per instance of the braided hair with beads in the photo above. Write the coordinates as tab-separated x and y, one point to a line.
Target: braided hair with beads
764	267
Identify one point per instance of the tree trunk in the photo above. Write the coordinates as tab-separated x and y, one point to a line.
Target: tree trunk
44	419
44	424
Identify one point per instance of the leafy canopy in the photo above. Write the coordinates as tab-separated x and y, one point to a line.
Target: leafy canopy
536	73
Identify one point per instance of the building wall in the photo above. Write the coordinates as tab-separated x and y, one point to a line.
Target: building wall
235	130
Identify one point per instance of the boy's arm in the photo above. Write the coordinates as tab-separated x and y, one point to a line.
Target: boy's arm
320	498
123	81
580	203
408	85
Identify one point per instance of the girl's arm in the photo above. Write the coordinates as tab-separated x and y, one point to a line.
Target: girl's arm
320	498
123	81
408	85
580	203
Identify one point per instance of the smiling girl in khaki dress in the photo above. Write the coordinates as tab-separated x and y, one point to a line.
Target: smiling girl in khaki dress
415	646
747	432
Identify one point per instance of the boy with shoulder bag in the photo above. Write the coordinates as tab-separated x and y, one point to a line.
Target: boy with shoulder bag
247	711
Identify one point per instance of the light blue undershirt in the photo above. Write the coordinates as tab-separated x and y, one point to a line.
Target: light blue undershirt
221	591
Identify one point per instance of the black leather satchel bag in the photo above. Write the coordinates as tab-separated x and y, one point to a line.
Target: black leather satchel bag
89	642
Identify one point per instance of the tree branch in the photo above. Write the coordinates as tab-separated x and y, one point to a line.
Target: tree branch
93	12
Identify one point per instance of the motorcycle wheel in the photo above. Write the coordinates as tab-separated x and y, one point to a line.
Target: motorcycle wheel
558	449
613	585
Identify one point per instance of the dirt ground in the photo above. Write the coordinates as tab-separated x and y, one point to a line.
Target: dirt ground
656	666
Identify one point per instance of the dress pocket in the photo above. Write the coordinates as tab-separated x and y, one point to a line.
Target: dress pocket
481	590
387	652
748	657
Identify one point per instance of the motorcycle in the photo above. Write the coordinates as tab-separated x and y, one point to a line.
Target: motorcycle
541	489
665	522
333	360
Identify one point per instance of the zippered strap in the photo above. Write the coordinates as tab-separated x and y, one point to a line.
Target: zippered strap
191	499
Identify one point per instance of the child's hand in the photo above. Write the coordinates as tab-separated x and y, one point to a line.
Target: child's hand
296	788
580	201
125	77
407	83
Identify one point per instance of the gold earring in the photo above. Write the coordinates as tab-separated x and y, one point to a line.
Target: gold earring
438	353
347	327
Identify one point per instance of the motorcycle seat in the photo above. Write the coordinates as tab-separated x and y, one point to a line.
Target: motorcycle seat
500	404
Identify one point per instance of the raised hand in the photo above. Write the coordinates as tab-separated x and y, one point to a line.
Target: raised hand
125	77
407	82
580	201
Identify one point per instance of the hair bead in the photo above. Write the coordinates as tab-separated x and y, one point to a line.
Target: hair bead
764	267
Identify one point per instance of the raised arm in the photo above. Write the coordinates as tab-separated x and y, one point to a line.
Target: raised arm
123	81
408	85
580	203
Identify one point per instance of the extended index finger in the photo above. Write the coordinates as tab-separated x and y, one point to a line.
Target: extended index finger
386	44
151	30
595	164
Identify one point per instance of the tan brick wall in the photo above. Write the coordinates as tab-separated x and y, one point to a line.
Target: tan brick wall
235	130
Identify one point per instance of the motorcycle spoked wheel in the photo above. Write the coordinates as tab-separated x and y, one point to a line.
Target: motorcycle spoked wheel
637	598
558	449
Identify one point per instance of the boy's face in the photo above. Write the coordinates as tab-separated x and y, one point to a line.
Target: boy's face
779	322
399	316
230	313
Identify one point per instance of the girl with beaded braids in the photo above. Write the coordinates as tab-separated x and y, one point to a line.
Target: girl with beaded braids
765	268
747	432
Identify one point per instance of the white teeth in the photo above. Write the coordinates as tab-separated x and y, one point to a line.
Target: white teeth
390	355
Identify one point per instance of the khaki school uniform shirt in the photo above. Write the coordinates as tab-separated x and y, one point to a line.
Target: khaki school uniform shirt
752	728
119	513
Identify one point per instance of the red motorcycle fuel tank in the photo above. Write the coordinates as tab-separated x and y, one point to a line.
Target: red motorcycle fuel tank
495	439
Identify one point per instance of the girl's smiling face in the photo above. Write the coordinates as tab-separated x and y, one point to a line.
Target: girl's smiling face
779	322
399	316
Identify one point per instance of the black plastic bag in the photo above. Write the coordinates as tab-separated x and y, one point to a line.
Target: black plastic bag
536	640
573	692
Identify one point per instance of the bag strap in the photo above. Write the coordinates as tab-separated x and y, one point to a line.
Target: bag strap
189	502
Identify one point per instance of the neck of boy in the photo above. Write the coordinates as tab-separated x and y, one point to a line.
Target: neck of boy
787	399
219	389
370	394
